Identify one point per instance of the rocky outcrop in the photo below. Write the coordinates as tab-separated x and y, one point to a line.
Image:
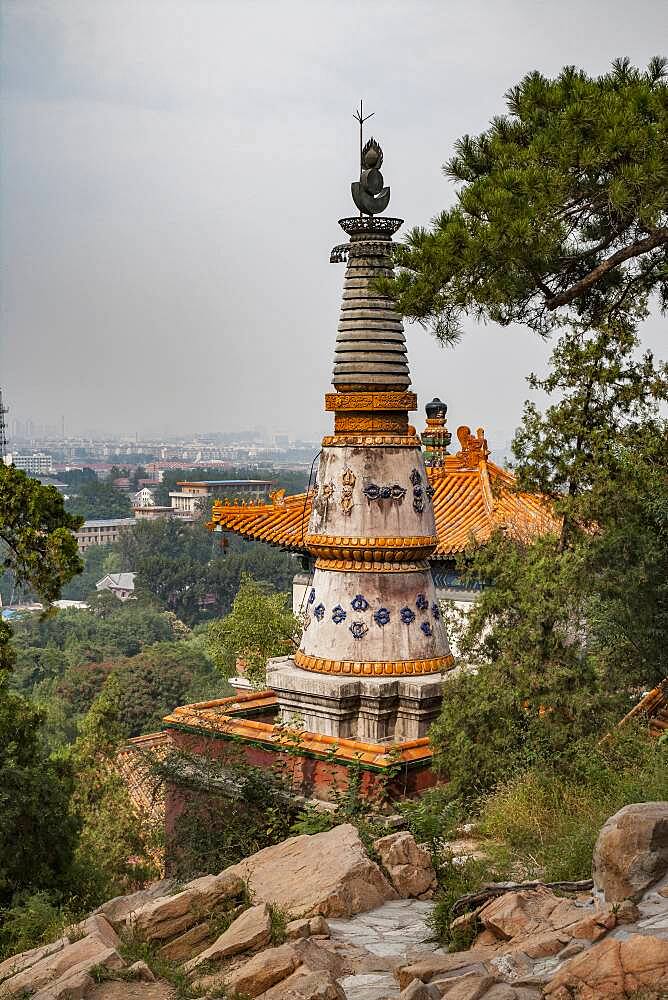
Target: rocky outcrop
533	942
168	916
305	985
307	928
250	931
118	909
73	958
631	852
612	968
263	971
183	947
408	866
327	873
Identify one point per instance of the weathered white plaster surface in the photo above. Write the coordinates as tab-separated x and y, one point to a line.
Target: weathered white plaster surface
329	636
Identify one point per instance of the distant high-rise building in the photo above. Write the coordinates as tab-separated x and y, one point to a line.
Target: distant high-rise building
3	429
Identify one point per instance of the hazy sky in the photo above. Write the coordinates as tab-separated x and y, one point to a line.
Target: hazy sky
173	172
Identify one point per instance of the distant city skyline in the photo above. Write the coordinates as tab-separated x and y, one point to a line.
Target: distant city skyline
171	182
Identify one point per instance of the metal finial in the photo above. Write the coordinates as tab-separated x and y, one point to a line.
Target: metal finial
368	193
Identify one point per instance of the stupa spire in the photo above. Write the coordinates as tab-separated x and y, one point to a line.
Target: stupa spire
371	612
370	347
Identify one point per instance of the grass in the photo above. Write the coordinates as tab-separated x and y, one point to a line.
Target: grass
133	948
543	823
34	921
279	922
548	820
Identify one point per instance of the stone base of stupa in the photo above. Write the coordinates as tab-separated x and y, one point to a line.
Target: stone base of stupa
358	708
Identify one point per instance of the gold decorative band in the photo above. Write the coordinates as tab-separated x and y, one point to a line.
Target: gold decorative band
359	401
368	550
371	441
373	668
355	566
371	422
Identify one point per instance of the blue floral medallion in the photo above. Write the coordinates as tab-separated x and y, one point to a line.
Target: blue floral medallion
319	612
421	602
359	630
381	617
338	615
311	596
426	628
359	603
407	616
436	611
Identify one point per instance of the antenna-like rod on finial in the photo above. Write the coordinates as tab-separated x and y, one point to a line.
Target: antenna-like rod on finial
361	118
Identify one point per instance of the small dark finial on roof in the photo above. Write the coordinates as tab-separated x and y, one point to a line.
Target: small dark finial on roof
436	409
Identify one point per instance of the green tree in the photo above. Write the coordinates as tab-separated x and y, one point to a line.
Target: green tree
37	833
260	625
111	852
36	536
150	685
563	203
100	500
570	623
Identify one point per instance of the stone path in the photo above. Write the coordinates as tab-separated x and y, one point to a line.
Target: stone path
393	933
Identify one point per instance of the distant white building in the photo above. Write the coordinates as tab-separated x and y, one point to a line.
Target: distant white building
38	462
121	585
144	497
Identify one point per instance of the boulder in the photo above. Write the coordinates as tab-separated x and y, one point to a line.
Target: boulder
612	968
263	971
542	924
79	956
408	865
304	985
471	986
249	931
98	924
118	909
436	965
296	929
17	963
527	911
418	990
326	873
187	944
318	926
631	852
168	916
140	971
73	986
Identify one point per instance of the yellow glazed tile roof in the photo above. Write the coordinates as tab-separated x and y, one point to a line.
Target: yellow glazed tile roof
471	499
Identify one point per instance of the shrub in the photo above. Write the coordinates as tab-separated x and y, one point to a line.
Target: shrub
549	819
230	810
32	920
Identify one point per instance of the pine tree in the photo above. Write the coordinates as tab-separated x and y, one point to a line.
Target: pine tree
562	205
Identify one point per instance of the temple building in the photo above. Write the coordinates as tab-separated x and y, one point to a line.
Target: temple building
378	535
